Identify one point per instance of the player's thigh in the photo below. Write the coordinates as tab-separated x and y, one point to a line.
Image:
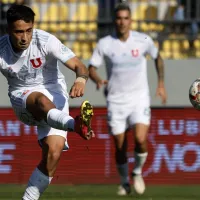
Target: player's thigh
60	100
49	98
140	119
119	140
38	103
117	119
18	101
141	132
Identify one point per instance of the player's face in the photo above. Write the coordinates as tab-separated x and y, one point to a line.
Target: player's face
20	34
123	21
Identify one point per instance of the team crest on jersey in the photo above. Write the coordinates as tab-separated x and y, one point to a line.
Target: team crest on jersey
135	52
36	63
64	49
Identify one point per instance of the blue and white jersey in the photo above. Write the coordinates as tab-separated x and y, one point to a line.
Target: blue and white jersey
126	65
37	66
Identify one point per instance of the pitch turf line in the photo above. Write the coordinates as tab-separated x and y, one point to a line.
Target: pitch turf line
104	192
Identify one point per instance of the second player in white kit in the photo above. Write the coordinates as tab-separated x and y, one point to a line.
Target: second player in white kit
128	91
128	99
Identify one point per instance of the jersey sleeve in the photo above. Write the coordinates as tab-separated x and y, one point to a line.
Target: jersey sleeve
152	49
97	56
59	50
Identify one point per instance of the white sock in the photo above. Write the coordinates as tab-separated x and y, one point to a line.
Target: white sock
60	120
140	159
123	172
38	182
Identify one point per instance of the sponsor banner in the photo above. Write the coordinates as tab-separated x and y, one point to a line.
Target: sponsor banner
174	150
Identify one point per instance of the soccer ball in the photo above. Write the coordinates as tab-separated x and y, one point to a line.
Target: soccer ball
194	94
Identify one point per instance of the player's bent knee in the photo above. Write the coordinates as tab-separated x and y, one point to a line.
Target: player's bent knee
119	141
141	138
54	156
141	146
39	105
42	101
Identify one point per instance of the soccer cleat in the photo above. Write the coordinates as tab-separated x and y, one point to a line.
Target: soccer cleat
124	189
138	184
83	121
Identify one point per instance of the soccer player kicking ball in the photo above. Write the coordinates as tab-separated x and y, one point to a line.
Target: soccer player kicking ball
38	93
128	101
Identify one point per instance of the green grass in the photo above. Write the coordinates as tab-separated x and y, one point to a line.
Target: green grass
103	192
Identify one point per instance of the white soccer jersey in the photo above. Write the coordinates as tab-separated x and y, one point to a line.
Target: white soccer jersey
126	65
37	66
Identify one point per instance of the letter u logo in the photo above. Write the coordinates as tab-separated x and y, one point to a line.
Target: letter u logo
36	63
135	53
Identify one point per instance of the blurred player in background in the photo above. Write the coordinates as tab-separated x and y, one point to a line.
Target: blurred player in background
128	100
38	92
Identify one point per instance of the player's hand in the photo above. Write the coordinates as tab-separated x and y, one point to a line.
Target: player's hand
101	83
161	92
77	90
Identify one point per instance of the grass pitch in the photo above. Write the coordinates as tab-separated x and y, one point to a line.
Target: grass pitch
104	192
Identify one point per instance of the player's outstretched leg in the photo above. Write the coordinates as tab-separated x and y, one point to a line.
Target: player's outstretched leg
83	121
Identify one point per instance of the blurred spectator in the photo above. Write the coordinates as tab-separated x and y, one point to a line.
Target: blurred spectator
3	8
19	2
105	23
179	14
189	10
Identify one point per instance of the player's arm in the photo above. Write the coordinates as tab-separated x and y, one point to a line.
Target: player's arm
153	51
95	77
160	73
160	70
95	62
78	88
58	50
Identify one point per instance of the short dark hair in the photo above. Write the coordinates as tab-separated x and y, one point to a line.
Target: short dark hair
20	12
121	6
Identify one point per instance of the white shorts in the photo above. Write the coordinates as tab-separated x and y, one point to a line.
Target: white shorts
123	116
18	101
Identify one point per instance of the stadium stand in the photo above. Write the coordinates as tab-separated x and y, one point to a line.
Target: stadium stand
53	17
7	1
76	24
